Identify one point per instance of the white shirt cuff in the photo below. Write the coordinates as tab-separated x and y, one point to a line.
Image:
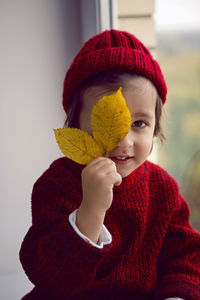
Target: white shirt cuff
174	299
105	237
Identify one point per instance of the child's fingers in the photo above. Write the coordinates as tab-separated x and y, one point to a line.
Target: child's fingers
118	179
95	161
100	162
113	178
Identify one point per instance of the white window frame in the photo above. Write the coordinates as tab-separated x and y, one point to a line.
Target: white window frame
97	16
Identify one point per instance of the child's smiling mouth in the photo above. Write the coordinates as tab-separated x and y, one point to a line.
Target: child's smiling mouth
121	159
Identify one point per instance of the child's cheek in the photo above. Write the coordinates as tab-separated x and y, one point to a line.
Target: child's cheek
145	144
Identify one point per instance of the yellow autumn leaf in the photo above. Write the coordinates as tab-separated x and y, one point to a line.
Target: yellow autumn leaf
110	120
77	145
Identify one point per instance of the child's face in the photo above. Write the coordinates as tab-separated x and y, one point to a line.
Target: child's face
136	145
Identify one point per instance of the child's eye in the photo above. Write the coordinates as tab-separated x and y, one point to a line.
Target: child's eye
139	124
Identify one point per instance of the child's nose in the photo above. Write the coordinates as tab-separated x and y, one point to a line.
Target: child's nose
128	140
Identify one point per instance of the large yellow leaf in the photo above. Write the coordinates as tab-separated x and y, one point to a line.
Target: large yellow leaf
77	145
110	120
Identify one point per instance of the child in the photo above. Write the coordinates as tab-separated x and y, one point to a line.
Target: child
117	228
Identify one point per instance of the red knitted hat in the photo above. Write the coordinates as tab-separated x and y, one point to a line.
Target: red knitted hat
112	49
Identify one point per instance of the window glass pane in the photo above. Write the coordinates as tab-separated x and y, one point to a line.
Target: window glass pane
178	52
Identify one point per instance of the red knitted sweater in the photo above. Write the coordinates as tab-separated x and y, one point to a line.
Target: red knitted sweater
154	254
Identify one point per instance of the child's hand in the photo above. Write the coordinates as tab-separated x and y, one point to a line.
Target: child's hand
98	179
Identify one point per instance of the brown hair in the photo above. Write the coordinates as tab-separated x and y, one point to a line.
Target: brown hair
104	83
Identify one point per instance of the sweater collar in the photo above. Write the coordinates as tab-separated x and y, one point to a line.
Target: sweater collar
130	181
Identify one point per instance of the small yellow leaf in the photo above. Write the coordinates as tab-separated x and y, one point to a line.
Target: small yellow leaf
77	145
110	120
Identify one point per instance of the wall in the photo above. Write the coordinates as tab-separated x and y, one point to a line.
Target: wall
38	41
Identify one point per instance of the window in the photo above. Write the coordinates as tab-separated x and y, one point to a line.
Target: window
178	52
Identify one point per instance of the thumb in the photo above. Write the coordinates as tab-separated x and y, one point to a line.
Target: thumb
118	179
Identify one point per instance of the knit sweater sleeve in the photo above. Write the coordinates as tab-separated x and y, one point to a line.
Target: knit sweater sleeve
179	259
55	258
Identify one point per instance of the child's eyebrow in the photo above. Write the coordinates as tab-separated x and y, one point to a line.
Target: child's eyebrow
143	115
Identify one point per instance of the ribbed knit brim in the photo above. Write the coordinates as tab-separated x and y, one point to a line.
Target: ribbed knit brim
112	49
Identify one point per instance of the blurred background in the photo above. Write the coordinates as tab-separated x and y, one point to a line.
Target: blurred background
178	52
171	31
38	42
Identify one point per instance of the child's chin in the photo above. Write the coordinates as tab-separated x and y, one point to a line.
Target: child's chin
125	173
